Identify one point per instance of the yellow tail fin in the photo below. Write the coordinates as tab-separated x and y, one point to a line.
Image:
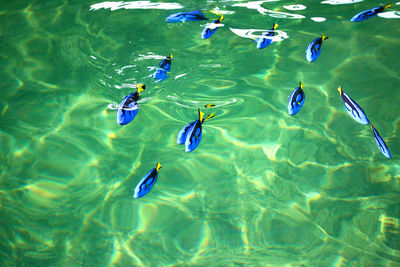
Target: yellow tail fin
324	37
340	89
275	26
140	87
301	85
201	115
387	6
209	117
158	166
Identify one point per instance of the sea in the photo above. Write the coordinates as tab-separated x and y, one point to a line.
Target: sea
263	188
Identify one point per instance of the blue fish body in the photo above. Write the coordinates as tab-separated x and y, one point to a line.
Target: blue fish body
366	14
193	137
186	16
160	75
166	64
146	183
264	42
380	143
314	50
127	109
190	135
184	132
353	109
296	100
209	30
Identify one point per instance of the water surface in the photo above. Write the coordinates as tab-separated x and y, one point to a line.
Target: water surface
263	188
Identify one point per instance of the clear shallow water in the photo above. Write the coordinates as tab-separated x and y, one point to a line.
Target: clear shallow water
263	188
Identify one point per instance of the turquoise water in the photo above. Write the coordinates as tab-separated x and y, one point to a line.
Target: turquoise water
263	188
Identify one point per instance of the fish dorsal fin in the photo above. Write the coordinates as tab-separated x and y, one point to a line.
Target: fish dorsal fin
209	117
275	26
140	87
340	90
158	166
324	37
301	85
201	115
387	6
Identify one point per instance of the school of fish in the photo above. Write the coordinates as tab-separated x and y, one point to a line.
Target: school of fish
190	135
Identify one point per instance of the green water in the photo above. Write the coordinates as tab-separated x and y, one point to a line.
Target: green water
262	189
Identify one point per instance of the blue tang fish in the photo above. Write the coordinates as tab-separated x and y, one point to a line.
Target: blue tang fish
313	49
211	29
166	63
296	100
186	16
164	67
366	14
129	107
354	110
380	143
190	135
160	75
264	42
147	182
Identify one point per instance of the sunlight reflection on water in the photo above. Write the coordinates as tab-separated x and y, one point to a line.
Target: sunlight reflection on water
135	5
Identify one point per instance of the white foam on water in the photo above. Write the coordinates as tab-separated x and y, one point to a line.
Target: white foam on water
222	12
257	5
145	99
210	65
135	5
114	105
149	56
340	2
318	19
390	15
213	26
295	7
193	103
250	33
180	75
